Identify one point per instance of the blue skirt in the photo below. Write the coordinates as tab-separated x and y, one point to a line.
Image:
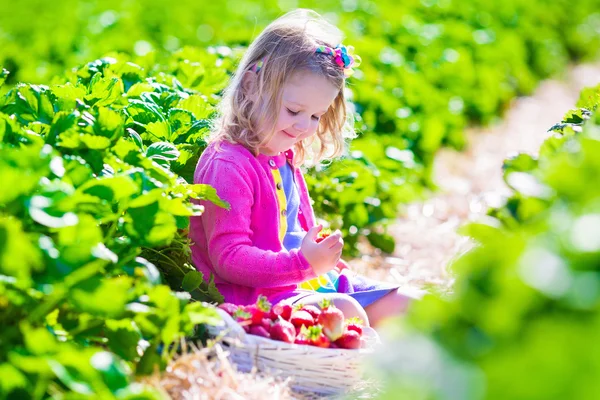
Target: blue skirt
364	290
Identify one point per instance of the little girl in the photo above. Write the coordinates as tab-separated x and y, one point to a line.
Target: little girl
285	100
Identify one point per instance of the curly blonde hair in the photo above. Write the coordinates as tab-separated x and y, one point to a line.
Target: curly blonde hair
286	47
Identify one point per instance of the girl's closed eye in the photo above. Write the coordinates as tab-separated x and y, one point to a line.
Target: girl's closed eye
294	113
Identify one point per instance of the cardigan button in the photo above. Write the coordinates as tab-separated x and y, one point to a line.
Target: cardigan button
279	186
283	213
272	163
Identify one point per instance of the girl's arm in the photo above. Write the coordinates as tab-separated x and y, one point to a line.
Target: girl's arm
230	248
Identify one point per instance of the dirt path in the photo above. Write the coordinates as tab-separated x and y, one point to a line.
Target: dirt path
469	182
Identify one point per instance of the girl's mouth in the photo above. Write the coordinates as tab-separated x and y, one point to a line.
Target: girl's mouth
292	136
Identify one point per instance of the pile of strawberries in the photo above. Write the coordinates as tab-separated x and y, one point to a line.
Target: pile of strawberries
309	325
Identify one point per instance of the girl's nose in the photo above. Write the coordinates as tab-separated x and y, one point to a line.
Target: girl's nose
302	125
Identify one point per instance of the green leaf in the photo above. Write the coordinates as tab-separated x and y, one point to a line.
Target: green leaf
384	242
157	131
103	91
180	118
38	341
41	211
150	361
519	163
19	257
162	151
69	380
197	105
91	296
21	169
112	189
151	226
68	95
138	88
114	372
3	75
109	123
12	380
191	281
148	269
80	243
94	142
206	192
198	313
137	139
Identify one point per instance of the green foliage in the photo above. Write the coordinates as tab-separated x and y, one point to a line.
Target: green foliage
95	205
524	314
430	68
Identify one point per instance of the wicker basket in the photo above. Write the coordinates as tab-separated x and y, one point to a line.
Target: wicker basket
312	369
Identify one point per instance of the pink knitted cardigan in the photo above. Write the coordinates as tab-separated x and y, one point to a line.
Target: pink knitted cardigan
241	246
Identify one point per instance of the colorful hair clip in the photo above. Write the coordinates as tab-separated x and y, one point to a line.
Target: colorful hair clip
258	65
343	56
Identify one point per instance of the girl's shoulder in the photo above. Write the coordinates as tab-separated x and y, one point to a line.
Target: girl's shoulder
224	155
226	151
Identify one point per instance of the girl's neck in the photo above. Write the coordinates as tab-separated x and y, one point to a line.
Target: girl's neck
268	153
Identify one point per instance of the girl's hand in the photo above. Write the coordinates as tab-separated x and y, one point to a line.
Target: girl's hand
323	256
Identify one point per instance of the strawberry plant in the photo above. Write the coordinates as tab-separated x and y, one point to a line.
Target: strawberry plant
431	69
96	213
525	309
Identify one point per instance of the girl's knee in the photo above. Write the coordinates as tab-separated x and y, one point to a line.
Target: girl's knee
351	308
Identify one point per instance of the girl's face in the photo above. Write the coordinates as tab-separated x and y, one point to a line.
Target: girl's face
305	98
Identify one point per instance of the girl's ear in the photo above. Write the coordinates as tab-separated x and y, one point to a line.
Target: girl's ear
249	84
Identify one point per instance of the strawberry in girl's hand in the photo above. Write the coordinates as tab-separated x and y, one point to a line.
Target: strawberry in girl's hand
229	308
332	320
258	330
354	324
312	310
316	337
283	330
300	318
324	234
281	310
349	340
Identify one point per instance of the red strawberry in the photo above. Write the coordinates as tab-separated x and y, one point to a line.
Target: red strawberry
283	310
255	314
354	324
316	336
259	310
229	308
301	338
324	234
332	320
300	318
266	323
283	330
349	340
259	331
312	310
242	316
